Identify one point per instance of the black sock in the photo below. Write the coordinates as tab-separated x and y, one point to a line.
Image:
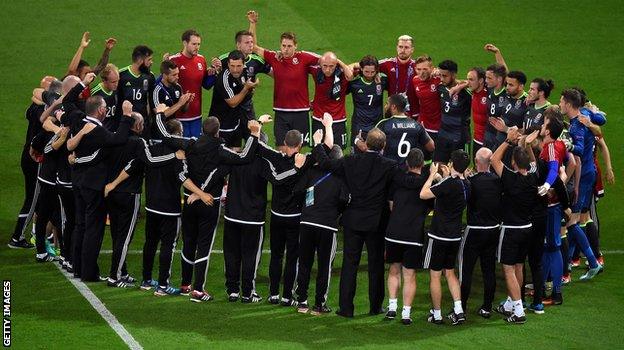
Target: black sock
564	252
592	235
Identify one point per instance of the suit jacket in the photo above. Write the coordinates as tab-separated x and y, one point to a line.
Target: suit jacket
368	177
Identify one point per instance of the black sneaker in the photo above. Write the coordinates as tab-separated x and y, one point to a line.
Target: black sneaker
129	279
501	310
233	297
432	319
406	321
320	309
120	283
516	319
21	244
391	314
484	313
288	302
273	299
254	298
456	319
44	258
303	308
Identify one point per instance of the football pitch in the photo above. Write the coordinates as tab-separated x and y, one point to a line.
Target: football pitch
573	43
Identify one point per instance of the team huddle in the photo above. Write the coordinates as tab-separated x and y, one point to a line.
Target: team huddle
529	196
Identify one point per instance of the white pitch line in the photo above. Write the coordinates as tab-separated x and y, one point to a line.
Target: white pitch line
108	316
267	251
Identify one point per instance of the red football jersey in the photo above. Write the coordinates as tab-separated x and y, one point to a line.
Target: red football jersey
322	102
399	74
290	75
554	151
479	114
399	77
192	74
427	103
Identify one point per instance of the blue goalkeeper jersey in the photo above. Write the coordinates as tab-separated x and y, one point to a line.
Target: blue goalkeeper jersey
583	145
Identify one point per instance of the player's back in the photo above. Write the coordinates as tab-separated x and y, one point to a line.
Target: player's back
402	134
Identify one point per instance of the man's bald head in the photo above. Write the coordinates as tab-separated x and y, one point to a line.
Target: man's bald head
328	63
329	57
137	127
46	81
69	82
376	140
482	159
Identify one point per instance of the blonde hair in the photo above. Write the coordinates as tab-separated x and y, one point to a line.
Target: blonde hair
108	70
406	37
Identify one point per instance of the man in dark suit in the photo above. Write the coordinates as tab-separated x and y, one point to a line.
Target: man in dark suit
367	176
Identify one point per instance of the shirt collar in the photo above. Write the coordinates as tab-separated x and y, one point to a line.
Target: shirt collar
93	120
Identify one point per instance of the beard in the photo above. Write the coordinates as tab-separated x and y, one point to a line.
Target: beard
144	69
387	113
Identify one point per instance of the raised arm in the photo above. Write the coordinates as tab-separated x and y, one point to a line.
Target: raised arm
73	65
426	192
497	157
319	152
329	132
109	44
252	17
497	54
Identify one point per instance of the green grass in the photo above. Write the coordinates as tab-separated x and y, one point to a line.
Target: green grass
573	43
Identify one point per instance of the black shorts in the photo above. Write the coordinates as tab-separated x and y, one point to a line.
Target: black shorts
409	255
444	147
513	245
286	121
339	129
441	254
